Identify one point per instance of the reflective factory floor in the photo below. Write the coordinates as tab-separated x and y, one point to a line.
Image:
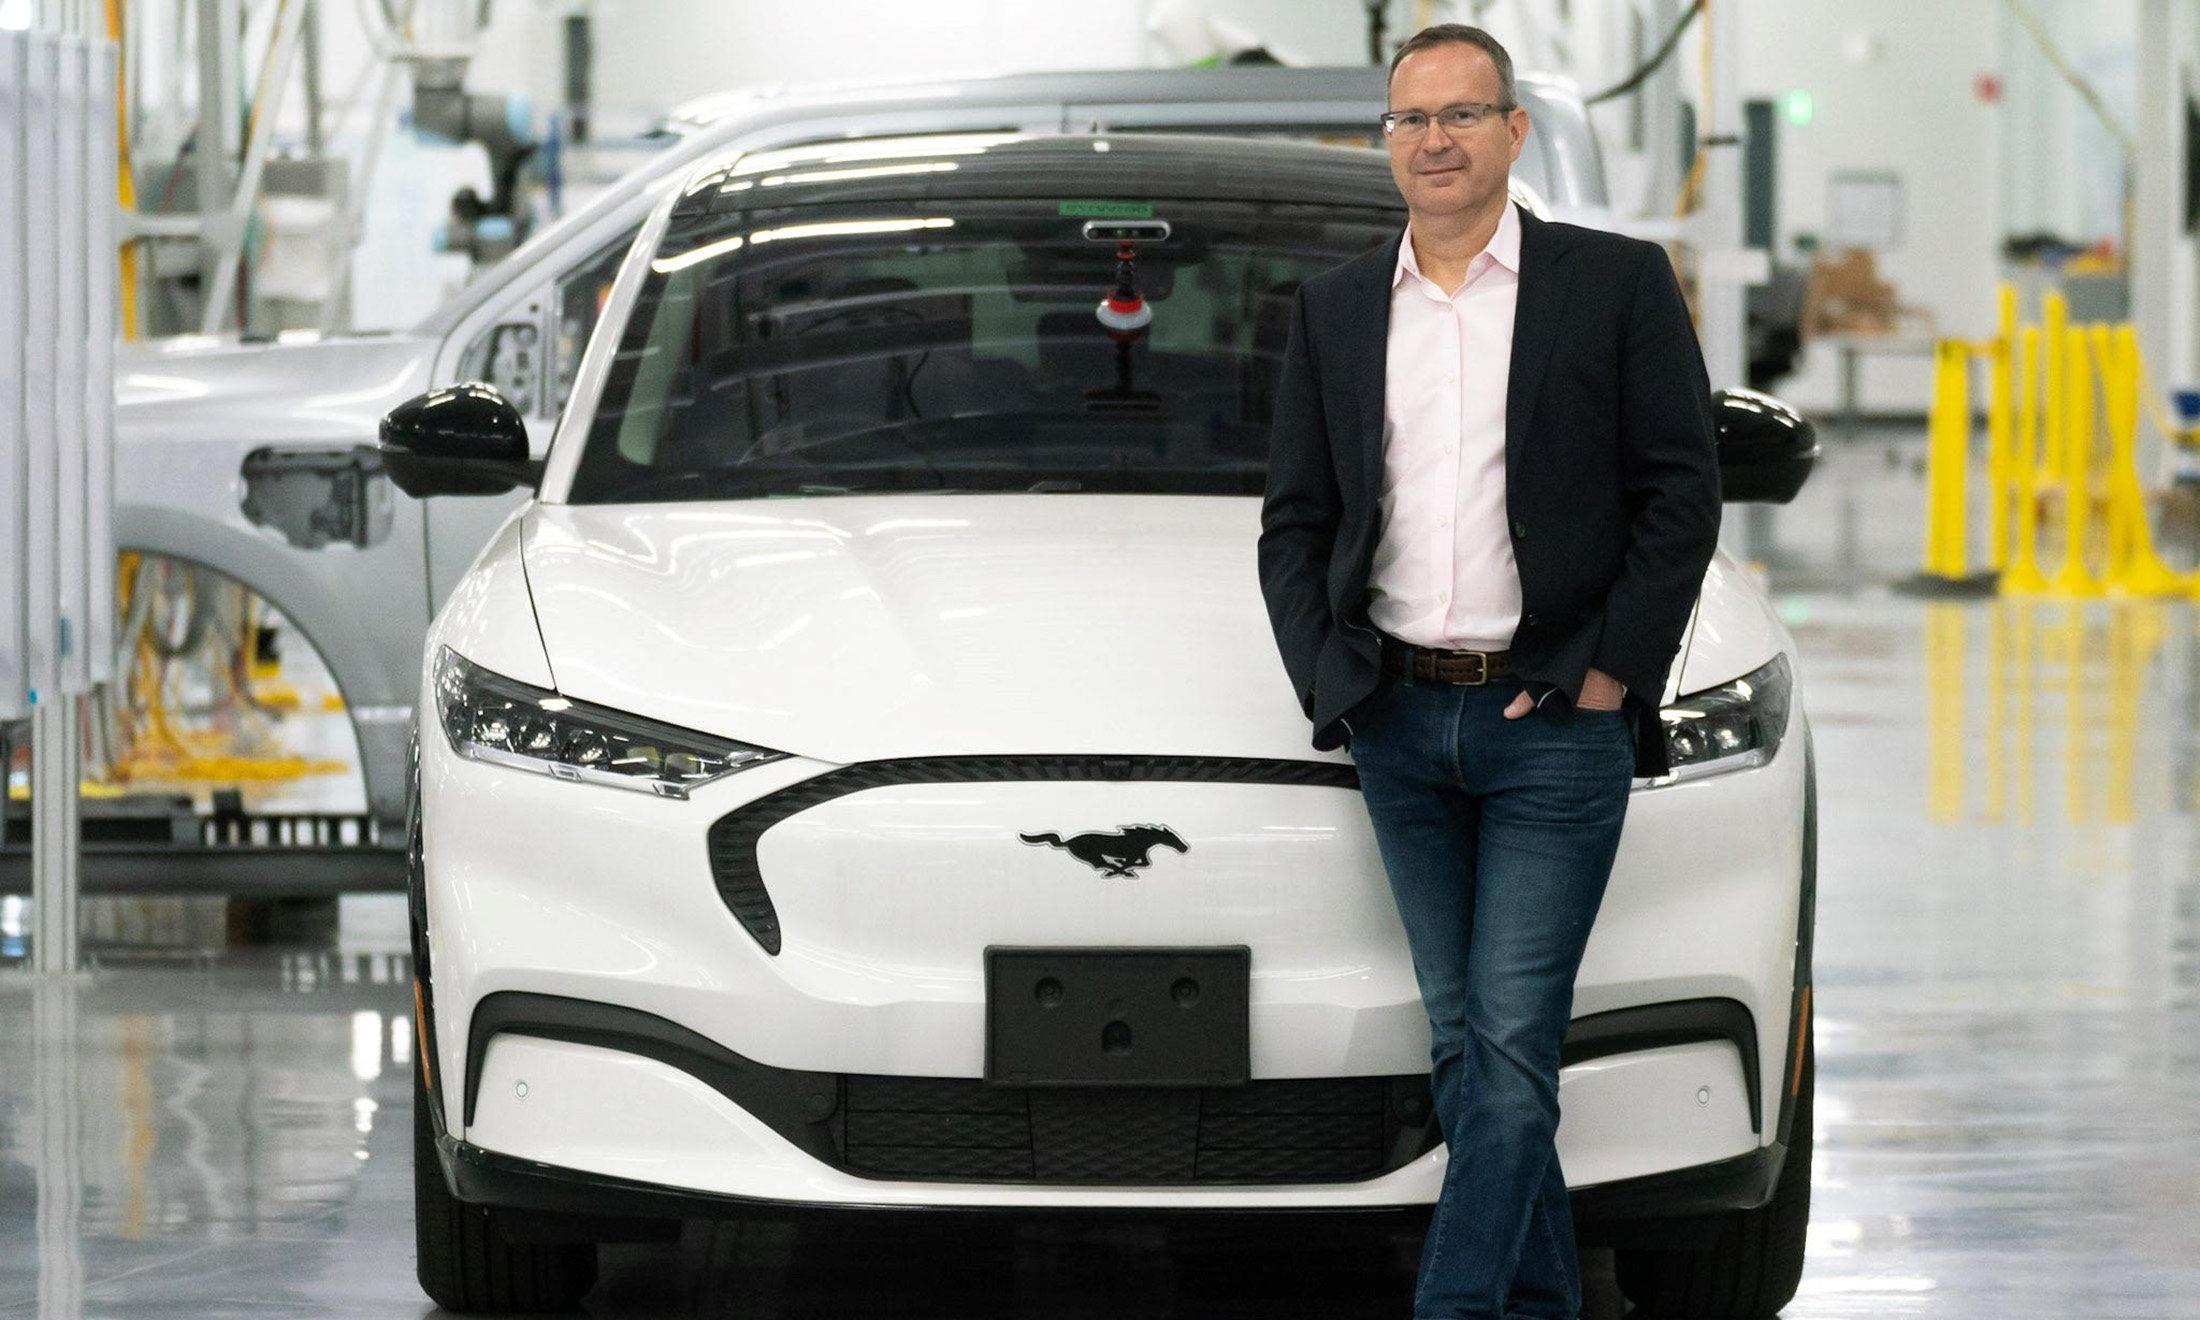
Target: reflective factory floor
2007	985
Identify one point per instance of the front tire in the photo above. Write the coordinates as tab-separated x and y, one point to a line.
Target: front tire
1756	1263
464	1259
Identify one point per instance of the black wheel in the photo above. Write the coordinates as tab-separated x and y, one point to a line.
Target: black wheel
465	1261
1754	1267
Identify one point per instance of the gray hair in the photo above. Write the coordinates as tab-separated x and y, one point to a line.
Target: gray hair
1461	34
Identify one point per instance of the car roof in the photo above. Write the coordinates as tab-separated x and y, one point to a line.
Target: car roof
1115	167
1248	99
1356	85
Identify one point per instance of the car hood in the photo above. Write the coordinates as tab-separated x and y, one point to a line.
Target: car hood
854	628
219	388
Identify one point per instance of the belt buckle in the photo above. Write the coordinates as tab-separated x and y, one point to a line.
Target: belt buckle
1481	670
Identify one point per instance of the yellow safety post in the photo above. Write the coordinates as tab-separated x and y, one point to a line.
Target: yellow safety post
2054	318
2073	579
1946	456
2134	568
2000	427
2023	574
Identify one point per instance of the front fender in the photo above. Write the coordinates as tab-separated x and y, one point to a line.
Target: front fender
364	612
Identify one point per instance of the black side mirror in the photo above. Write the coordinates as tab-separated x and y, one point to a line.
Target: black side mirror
463	440
1766	449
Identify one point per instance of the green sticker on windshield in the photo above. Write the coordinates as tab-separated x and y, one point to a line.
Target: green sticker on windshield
1091	210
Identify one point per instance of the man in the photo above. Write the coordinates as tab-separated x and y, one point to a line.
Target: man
1492	495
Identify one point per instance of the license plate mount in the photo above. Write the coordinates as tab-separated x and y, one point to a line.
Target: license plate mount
1118	1016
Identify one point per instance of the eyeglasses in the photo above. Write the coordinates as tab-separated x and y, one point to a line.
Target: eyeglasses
1410	125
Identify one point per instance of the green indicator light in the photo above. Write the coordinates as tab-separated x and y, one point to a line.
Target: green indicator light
1090	210
1800	108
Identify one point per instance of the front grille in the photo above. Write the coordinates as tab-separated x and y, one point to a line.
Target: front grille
935	1129
733	837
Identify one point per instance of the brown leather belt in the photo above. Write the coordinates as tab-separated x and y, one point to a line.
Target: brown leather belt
1436	665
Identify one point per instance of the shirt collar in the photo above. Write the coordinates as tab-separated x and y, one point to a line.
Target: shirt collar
1504	246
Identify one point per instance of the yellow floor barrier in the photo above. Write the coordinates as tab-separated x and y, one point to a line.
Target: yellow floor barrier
2001	428
2073	579
1946	569
2068	401
1947	461
2134	566
2023	574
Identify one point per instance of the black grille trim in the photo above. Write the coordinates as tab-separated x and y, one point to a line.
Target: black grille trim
733	836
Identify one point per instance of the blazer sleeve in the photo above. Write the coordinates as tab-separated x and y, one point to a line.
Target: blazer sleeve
1299	512
1669	475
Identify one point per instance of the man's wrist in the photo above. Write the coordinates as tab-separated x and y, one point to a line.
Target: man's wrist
1601	691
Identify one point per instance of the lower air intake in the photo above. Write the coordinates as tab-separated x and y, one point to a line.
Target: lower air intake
1277	1131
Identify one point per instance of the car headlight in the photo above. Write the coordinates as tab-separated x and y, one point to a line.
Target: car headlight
491	718
1732	726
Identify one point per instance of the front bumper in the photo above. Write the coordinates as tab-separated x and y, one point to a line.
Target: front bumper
551	892
1677	1208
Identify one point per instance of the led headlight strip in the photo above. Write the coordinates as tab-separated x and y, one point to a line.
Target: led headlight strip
1729	727
499	720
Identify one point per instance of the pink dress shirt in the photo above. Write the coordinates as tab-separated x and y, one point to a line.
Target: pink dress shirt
1443	573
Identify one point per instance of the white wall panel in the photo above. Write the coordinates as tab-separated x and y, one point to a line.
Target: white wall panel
65	316
14	449
41	285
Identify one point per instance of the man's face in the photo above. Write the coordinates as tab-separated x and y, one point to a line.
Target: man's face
1449	172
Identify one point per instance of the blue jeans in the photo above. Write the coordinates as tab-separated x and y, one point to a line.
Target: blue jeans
1498	836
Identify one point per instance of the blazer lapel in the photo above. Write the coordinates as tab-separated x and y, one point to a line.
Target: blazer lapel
1536	309
1370	371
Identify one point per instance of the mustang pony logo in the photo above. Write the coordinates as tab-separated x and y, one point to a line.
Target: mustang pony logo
1119	853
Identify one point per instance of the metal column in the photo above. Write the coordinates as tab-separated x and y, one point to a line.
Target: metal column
217	38
2159	270
57	290
225	239
1661	115
1724	267
54	832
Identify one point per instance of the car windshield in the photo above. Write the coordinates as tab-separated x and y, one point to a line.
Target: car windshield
969	345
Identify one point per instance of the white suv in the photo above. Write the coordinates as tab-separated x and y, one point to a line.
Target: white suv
862	774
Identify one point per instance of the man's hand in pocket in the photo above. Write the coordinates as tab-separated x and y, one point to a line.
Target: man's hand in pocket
1599	691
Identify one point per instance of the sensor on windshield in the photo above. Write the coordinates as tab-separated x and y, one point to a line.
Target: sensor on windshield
1127	231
